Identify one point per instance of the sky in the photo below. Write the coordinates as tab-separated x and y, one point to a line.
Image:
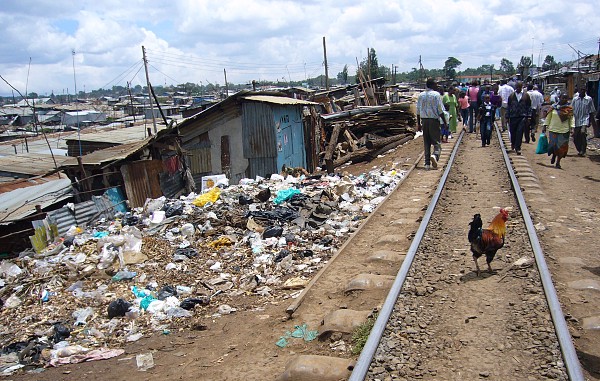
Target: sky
196	40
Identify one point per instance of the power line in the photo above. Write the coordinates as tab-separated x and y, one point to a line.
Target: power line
120	77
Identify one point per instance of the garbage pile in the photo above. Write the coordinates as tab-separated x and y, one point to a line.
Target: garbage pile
175	262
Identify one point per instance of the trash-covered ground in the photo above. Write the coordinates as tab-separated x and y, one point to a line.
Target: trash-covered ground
175	263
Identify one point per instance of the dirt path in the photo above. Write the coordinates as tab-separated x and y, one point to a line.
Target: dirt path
241	345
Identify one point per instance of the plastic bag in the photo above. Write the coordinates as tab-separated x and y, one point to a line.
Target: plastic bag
107	256
285	194
9	269
190	303
272	231
123	275
210	196
82	314
542	146
118	307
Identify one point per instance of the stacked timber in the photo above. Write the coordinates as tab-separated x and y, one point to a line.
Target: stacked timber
363	133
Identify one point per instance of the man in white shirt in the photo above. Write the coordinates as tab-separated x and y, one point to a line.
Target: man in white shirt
536	104
583	110
504	91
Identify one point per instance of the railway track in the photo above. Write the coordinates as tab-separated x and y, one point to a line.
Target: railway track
410	263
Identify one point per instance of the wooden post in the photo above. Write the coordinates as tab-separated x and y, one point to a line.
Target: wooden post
87	185
326	69
331	147
149	89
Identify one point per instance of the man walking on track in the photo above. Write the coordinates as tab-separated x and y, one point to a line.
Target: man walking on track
583	110
429	111
519	114
505	91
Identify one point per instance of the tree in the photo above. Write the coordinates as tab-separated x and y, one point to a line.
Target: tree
343	75
507	67
370	67
450	67
524	65
549	63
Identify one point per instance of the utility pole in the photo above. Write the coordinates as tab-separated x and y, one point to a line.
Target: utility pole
149	90
598	56
77	109
131	101
421	69
326	70
226	86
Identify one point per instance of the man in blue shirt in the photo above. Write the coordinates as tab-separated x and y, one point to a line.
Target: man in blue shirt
430	110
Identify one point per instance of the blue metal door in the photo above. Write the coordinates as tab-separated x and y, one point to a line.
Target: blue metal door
290	136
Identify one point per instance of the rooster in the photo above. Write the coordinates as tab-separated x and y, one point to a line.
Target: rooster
264	195
487	241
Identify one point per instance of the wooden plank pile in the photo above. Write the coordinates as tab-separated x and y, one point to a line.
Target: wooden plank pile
363	133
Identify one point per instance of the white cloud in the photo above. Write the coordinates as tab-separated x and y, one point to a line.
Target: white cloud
193	41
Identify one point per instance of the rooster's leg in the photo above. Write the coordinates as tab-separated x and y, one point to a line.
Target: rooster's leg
489	268
476	264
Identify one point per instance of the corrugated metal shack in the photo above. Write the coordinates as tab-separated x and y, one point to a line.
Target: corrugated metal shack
250	134
138	168
23	201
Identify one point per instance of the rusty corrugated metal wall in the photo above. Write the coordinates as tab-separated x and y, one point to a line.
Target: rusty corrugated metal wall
259	138
142	181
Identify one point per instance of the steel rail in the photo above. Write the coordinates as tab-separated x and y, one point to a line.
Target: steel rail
565	341
366	356
568	352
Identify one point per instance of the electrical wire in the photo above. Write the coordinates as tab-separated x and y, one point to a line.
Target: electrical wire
122	75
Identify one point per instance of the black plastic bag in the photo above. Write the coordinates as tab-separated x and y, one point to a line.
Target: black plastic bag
166	291
118	307
245	200
189	303
272	231
188	252
282	254
176	209
61	332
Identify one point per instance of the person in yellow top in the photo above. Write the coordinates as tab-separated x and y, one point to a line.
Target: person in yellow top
559	123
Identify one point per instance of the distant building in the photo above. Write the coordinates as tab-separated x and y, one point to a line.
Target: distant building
75	118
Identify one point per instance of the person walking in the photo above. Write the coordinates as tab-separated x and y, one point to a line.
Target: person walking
537	99
444	132
559	122
583	111
472	94
429	111
496	99
463	101
487	115
451	104
519	114
505	91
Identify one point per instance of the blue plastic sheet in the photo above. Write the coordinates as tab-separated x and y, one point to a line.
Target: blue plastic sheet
284	195
117	199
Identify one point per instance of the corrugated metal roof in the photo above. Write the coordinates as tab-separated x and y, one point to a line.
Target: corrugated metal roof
8	184
33	164
20	203
277	100
119	136
109	154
